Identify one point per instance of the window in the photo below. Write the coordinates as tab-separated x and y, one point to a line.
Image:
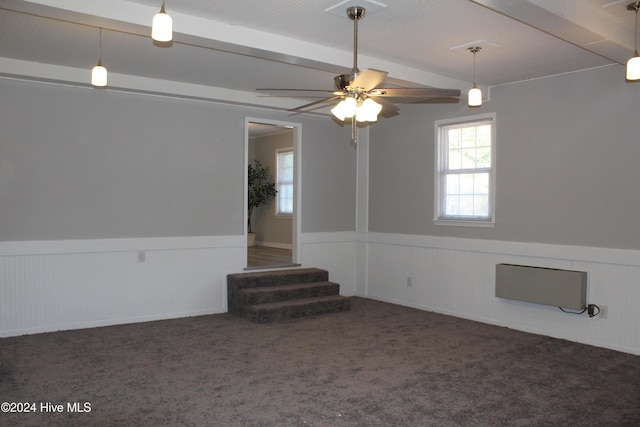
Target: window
465	171
284	180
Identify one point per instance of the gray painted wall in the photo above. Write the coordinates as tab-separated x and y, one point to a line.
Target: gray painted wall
567	172
268	227
78	163
328	178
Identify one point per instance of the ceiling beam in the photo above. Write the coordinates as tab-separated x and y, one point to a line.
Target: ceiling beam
132	17
571	21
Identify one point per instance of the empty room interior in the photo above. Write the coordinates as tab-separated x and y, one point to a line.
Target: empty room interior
319	213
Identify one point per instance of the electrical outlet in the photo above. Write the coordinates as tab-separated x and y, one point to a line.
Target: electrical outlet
604	310
142	256
409	281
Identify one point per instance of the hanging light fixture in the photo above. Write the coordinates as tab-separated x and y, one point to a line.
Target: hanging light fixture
162	27
366	110
99	73
633	65
345	109
474	98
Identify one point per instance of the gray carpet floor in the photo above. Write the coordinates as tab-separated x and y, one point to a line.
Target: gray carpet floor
376	365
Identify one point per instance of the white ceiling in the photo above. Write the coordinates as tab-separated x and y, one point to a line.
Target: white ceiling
225	49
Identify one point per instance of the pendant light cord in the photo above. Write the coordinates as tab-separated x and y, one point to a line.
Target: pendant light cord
474	50
635	33
100	47
474	67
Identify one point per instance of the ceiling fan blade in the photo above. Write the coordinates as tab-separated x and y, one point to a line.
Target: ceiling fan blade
439	100
311	104
369	79
298	93
417	92
416	100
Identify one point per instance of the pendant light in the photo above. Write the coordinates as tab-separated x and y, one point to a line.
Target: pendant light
99	73
633	65
162	27
474	98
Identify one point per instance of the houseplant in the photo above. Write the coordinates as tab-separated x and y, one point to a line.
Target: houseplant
260	191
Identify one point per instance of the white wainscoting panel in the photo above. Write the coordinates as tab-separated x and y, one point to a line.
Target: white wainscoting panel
50	286
58	285
457	277
336	252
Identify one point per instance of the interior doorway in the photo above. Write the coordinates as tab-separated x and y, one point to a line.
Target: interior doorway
274	147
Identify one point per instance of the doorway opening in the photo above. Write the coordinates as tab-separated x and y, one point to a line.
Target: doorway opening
275	146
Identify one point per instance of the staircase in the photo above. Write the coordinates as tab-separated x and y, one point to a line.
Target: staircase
269	296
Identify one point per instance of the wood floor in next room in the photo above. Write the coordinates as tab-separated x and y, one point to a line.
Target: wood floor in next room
264	256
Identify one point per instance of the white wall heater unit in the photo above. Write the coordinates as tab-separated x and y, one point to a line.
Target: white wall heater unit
549	286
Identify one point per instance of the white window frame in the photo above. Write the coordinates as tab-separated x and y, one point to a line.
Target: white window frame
441	153
280	152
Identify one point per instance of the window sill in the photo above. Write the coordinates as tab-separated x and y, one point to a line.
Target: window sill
283	216
465	223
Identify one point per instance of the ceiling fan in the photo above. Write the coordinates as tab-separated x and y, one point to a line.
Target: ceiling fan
361	98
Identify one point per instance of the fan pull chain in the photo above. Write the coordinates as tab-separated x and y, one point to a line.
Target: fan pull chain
354	133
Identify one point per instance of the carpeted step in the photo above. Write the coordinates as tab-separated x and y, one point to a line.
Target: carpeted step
269	294
238	281
277	277
291	309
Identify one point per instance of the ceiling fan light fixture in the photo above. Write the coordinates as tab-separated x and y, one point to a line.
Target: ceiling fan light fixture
362	115
99	72
350	105
338	111
368	111
345	108
633	64
162	27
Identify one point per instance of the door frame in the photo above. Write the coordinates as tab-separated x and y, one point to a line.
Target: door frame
296	128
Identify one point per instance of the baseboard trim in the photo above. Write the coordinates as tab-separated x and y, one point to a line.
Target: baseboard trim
108	322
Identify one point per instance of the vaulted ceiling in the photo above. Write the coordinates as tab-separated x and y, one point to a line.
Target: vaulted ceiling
225	49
